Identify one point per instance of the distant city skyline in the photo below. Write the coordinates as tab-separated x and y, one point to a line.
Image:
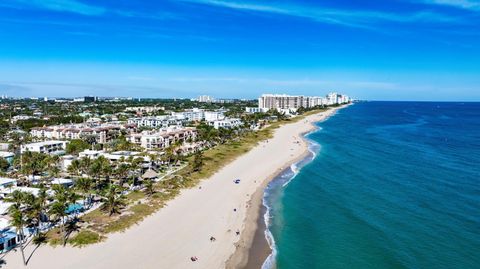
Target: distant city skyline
426	50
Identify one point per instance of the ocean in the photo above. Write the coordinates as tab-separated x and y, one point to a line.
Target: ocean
388	185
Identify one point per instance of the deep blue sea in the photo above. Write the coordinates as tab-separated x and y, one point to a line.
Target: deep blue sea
391	185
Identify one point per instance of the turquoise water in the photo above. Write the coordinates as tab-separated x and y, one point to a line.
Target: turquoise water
74	208
393	185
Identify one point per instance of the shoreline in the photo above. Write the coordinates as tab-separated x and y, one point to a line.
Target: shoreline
253	248
215	207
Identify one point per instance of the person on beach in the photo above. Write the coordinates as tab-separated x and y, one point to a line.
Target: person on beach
212	239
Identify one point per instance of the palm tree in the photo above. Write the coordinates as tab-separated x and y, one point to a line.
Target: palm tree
169	155
74	167
18	221
85	185
197	161
71	198
113	201
149	187
135	165
42	199
57	211
34	210
121	171
153	159
16	198
94	170
53	171
85	164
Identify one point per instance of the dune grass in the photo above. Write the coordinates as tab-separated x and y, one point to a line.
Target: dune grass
85	237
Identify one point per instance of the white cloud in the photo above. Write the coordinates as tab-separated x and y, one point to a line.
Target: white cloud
351	18
78	7
464	4
72	6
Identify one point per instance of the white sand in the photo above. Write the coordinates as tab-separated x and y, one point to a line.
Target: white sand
182	229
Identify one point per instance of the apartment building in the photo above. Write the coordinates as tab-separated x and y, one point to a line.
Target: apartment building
102	133
162	138
52	147
285	102
157	122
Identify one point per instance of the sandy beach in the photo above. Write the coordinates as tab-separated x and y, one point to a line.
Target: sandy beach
182	229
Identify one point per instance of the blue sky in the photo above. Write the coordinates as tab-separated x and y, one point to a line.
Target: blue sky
377	50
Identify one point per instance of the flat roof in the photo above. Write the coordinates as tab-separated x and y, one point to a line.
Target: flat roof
5	180
5	154
33	191
62	181
49	142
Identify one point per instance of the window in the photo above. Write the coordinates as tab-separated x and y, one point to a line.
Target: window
11	242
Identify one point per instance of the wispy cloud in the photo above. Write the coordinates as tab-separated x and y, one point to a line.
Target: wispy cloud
78	7
72	6
463	4
351	18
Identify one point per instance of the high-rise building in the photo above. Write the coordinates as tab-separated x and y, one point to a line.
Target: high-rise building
294	102
86	99
205	99
281	101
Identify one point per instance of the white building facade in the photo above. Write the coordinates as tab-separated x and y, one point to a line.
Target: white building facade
157	122
52	147
162	138
102	133
291	103
227	123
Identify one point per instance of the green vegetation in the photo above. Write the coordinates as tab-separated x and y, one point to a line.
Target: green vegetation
76	145
85	237
3	165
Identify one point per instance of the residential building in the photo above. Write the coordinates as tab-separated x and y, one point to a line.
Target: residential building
4	146
158	121
7	182
144	109
53	147
252	110
8	236
316	101
281	101
66	161
205	99
65	182
197	114
8	156
85	99
194	114
334	98
291	103
119	155
226	123
101	133
162	138
214	115
91	154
